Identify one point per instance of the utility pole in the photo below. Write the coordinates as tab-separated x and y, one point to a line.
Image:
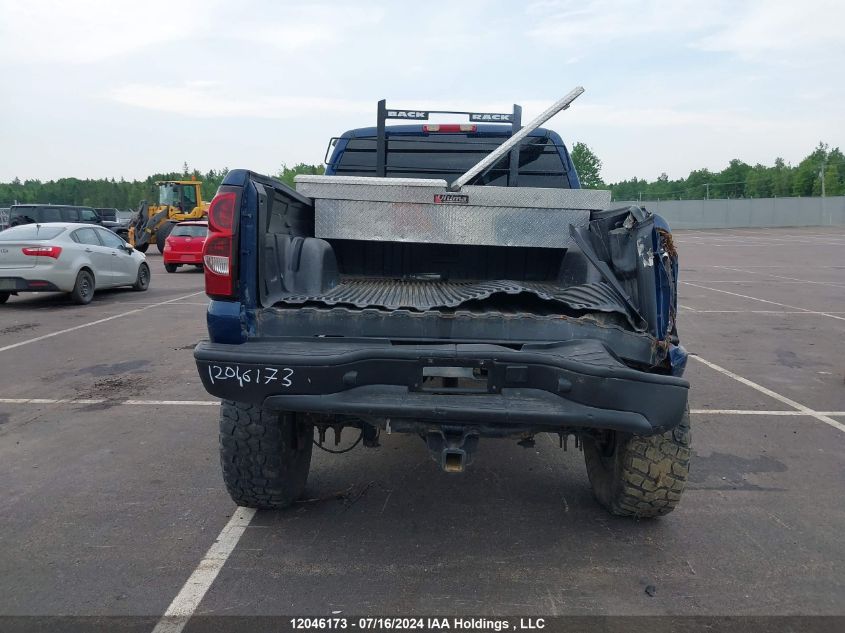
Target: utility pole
821	175
706	190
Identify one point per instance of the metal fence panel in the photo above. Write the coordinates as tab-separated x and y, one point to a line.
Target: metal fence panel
747	212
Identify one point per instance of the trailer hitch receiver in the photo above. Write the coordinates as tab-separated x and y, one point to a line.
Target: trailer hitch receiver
453	451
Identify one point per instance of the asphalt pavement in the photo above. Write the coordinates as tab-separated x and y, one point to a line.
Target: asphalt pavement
111	494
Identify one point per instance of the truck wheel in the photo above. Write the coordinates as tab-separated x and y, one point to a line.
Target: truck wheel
83	289
639	476
4	297
171	268
142	281
161	235
142	248
265	455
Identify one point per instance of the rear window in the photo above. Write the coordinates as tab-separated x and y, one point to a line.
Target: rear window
25	215
70	215
448	156
30	232
189	230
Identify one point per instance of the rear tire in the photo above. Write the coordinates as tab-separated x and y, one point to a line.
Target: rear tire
83	289
265	455
171	268
4	297
638	476
143	248
142	281
161	235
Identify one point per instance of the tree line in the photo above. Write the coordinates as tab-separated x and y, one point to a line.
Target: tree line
123	194
822	172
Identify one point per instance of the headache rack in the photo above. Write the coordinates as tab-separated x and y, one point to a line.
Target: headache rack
429	210
384	113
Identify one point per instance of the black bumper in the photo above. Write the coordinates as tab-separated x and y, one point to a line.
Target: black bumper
577	384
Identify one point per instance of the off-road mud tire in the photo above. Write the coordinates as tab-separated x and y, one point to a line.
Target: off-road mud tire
265	455
637	476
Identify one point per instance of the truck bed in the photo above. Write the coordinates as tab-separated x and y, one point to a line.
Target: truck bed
422	295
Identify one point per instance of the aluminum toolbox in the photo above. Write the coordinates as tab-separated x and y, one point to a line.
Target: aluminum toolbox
424	210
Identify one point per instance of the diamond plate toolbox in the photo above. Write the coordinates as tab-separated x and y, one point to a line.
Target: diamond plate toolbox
423	210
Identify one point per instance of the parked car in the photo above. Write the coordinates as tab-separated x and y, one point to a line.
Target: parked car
107	213
115	220
184	245
4	218
41	213
67	257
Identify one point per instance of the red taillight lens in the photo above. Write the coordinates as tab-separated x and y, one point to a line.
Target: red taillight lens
221	212
446	128
220	248
43	251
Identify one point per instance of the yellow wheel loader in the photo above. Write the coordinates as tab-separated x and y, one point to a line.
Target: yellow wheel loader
178	200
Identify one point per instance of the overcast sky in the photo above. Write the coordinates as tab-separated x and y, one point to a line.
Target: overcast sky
111	89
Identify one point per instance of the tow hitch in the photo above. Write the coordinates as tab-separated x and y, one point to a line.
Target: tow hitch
453	451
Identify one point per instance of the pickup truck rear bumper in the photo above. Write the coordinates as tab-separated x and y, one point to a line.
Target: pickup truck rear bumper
543	387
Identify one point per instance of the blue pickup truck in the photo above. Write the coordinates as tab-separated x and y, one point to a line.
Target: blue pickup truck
453	342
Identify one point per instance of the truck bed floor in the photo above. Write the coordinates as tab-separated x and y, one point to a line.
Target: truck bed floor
423	295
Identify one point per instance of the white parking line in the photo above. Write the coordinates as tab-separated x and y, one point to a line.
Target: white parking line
215	403
173	403
805	312
762	240
199	582
48	401
177	403
97	322
774	303
789	266
773	394
758	412
751	281
788	279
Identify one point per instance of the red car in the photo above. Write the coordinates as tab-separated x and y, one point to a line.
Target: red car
184	245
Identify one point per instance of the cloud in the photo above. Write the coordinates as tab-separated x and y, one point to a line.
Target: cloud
795	33
210	99
775	31
577	25
88	31
310	26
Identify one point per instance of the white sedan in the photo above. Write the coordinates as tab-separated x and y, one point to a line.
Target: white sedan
67	257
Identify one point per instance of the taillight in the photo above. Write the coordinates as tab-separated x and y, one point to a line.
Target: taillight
446	128
220	248
217	252
221	212
43	251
